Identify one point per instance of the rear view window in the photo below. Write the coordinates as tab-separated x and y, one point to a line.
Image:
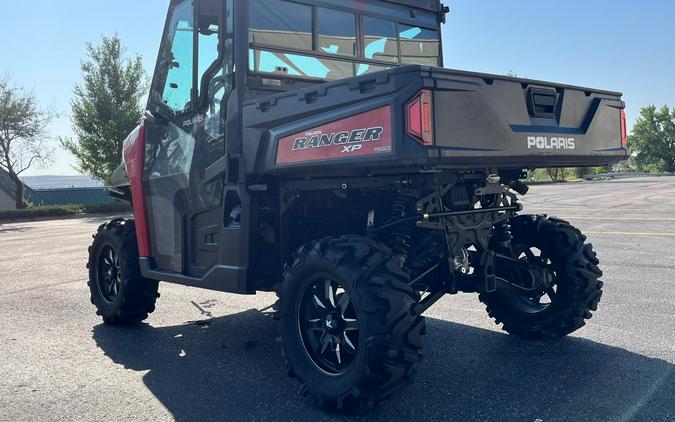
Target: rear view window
337	32
299	65
297	40
280	24
419	45
380	39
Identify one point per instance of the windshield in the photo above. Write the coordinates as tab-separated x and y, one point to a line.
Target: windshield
298	40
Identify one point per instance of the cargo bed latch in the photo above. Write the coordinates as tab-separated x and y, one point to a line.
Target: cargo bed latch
542	102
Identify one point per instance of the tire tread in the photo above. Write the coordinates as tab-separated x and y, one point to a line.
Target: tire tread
387	298
580	272
139	295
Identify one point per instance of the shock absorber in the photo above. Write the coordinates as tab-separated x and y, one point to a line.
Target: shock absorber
502	237
400	237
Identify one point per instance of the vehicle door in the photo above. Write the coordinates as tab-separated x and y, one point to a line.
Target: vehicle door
184	137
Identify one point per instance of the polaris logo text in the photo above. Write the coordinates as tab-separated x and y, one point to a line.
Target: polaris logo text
350	141
544	142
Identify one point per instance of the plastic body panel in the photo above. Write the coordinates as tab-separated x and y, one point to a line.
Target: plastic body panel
268	120
488	121
134	157
481	121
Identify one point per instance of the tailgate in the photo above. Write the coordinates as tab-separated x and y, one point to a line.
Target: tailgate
524	123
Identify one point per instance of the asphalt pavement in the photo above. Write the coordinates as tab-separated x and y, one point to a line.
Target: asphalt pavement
206	356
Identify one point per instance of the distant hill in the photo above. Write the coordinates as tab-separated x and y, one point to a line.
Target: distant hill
60	182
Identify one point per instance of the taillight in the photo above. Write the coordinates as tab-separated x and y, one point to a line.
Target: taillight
624	130
421	118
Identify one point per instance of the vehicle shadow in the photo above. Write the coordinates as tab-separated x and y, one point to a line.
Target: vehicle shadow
230	369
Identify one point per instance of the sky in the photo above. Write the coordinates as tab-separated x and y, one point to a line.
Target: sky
619	45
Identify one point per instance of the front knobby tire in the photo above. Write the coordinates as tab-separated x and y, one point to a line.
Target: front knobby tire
121	295
575	289
347	322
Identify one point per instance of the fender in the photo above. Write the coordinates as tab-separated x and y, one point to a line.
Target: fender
134	159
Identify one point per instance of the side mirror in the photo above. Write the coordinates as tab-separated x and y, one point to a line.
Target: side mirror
154	120
158	116
155	124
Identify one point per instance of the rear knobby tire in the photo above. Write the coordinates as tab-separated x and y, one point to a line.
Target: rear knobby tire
390	333
133	297
579	288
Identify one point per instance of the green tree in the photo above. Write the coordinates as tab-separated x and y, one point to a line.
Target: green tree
106	108
653	138
23	135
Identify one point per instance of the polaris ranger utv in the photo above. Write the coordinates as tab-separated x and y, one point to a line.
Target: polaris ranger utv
317	148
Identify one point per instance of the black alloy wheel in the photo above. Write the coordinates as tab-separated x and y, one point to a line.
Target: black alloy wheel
109	273
545	280
329	326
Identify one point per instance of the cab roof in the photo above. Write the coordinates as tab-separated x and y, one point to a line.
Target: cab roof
431	5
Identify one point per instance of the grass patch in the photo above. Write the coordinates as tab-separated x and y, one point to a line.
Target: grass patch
63	211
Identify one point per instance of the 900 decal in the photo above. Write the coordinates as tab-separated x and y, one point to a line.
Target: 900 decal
357	136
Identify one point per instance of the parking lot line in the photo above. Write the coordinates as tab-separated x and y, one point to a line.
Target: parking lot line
632	234
591	218
614	209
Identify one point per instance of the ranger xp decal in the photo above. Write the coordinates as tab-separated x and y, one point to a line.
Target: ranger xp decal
357	136
322	140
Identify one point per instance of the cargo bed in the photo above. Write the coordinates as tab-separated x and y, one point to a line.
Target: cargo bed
479	121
